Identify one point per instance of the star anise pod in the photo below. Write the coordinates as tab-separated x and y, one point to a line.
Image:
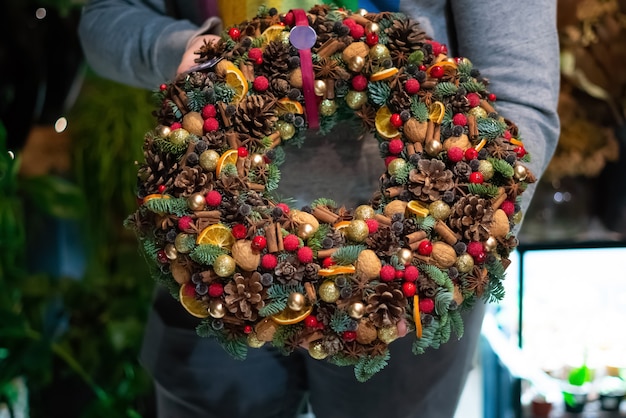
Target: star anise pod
367	113
477	280
329	68
353	350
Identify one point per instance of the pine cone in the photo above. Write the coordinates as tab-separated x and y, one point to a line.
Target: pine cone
289	272
383	242
332	344
405	37
245	296
386	305
426	286
276	59
430	179
471	217
255	115
158	169
191	180
459	103
399	101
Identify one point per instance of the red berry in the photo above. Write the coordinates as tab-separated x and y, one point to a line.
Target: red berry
422	67
305	255
163	87
412	86
409	289
255	53
259	242
455	154
425	247
216	289
396	146
359	82
349	22
269	261
491	97
411	273
444	49
184	222
161	188
247	329
284	207
476	177
162	257
289	19
473	99
436	47
426	305
480	258
175	125
349	336
474	248
239	231
372	225
399	274
371	39
328	261
389	159
387	273
396	120
213	198
261	83
471	154
291	242
209	111
311	321
234	33
210	125
459	119
357	31
437	71
242	152
507	135
520	151
508	207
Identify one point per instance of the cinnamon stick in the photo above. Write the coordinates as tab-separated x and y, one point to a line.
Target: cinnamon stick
446	233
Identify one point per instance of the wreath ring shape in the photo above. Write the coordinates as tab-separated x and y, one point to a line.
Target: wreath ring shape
434	239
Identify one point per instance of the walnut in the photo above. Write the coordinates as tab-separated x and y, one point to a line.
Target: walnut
295	78
415	131
462	142
396	206
193	122
355	49
500	224
245	256
368	264
179	272
265	329
443	254
366	332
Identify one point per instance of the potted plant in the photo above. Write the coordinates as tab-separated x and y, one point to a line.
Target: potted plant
576	388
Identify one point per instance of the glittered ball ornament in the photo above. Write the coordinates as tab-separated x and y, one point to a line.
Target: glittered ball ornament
379	52
317	350
364	212
178	136
208	160
224	265
464	263
356	99
253	340
439	209
388	334
396	166
357	230
329	292
328	107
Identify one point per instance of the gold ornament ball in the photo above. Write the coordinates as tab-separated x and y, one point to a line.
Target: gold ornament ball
478	112
328	107
356	64
170	252
357	230
196	201
224	265
388	334
319	86
184	243
316	350
296	301
434	147
490	244
373	27
379	52
405	255
396	166
284	37
329	292
256	160
217	309
439	209
517	217
486	169
178	136
362	12
464	263
208	159
364	212
520	172
163	131
286	131
356	310
305	231
356	99
253	341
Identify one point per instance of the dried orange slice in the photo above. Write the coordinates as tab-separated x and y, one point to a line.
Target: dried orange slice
187	295
516	141
286	105
218	234
336	270
416	316
340	225
272	33
383	74
229	157
416	208
443	64
383	124
436	111
155	196
235	79
289	316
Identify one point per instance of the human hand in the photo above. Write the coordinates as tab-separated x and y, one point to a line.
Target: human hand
190	55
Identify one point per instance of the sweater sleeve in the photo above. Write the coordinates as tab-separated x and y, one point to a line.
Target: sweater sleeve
135	42
515	45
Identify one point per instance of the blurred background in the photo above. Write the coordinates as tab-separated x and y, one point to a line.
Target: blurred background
74	299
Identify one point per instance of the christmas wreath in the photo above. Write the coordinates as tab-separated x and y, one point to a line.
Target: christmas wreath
433	240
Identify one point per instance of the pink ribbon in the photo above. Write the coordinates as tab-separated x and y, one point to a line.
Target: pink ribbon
308	77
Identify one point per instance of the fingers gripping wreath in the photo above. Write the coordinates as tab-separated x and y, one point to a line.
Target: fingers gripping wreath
433	240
